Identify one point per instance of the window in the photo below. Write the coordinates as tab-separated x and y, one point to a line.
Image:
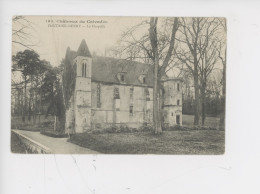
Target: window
117	98
116	93
122	77
178	87
98	96
147	94
117	104
178	102
172	114
131	110
144	80
83	71
131	93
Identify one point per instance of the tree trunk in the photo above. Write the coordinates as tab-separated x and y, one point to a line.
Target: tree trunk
29	107
156	90
203	104
25	101
197	97
40	107
55	123
223	101
35	107
156	103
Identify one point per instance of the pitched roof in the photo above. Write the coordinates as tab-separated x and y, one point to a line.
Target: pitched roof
106	69
83	49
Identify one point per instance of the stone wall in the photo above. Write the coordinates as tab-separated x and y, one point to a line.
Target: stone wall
172	102
97	107
82	95
117	111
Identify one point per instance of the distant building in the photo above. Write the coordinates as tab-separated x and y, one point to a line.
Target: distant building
111	91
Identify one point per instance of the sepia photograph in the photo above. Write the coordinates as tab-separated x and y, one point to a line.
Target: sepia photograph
118	85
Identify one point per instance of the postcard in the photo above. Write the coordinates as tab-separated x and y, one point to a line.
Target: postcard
118	85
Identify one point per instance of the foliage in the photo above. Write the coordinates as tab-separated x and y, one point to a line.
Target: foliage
68	79
188	128
28	61
124	129
51	133
54	96
214	106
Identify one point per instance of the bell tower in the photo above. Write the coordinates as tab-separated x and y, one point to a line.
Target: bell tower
82	95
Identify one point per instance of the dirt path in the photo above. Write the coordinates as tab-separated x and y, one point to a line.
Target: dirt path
57	145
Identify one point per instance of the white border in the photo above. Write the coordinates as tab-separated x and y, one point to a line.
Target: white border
236	171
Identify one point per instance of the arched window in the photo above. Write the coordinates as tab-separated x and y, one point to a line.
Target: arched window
122	78
178	87
84	70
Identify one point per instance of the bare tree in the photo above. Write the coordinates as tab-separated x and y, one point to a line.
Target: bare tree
196	49
154	46
159	71
22	32
209	58
223	56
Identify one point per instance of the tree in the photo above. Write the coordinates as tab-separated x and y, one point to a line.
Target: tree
26	61
222	54
209	58
52	88
22	32
159	71
196	49
153	46
37	81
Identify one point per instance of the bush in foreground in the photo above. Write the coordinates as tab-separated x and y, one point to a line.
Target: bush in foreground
149	128
52	133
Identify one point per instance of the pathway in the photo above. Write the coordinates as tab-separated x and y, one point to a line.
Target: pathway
57	145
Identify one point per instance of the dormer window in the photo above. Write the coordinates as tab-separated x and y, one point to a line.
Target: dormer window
122	78
142	79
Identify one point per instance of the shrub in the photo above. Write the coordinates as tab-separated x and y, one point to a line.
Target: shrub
146	128
186	128
123	128
51	133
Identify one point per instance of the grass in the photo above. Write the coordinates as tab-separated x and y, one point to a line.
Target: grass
187	120
191	142
44	123
170	142
16	145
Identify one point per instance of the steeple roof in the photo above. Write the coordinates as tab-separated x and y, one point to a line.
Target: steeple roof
83	49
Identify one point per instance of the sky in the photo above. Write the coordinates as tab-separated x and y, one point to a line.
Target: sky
52	35
52	41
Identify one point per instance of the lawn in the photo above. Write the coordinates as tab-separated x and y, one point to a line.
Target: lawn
170	142
29	125
187	120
